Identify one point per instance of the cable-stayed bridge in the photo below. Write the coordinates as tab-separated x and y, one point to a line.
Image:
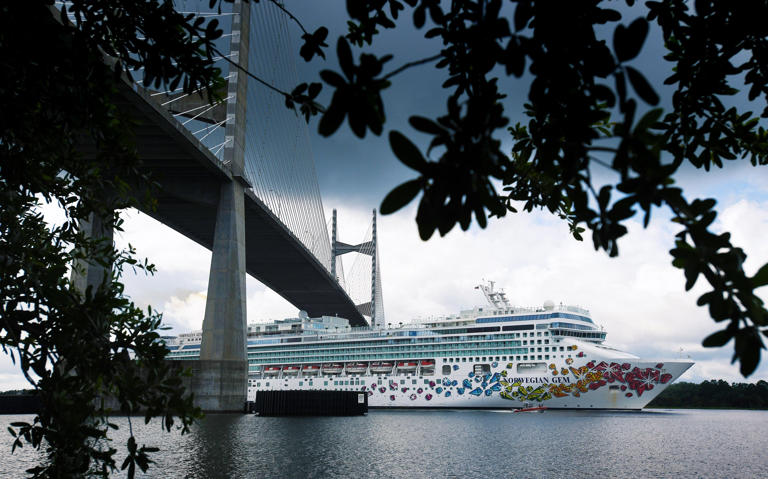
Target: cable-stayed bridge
238	177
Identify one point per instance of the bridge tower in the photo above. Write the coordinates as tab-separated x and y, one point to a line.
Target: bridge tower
220	377
374	308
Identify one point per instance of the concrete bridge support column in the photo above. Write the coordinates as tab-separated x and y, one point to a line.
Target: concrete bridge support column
88	273
220	379
220	382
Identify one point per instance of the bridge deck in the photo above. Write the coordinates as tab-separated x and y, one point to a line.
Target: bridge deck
190	177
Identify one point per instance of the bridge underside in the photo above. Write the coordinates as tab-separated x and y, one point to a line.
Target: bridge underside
190	177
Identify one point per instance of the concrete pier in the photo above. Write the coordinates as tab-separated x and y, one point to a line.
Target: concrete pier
218	386
219	378
87	272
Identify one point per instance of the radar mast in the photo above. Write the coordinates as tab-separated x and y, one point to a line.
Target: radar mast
497	299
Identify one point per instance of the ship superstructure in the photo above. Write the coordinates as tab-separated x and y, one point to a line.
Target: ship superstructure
487	357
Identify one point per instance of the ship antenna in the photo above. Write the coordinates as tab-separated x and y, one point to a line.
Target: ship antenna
496	299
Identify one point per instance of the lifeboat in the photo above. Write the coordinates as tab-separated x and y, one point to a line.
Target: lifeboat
381	367
427	363
310	369
407	365
357	368
271	370
293	370
332	368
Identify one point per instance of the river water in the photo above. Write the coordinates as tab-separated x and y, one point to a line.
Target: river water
454	443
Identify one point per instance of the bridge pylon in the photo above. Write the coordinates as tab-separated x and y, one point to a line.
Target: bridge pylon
375	307
220	377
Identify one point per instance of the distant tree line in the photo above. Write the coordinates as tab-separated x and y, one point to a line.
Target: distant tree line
713	394
18	392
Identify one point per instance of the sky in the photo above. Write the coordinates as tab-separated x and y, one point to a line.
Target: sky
638	298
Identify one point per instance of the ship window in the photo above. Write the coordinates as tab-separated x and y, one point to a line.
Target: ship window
335	383
301	383
414	382
446	370
267	383
525	358
546	356
503	358
463	360
614	387
562	348
426	381
258	384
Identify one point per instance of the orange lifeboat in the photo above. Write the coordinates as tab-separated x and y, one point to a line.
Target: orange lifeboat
407	365
382	367
357	368
332	368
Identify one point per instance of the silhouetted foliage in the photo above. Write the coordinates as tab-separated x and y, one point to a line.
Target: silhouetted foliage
77	348
713	394
589	106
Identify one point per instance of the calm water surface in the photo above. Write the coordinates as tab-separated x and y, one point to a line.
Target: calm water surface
455	443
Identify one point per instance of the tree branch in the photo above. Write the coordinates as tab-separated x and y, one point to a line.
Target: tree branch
290	15
411	64
237	65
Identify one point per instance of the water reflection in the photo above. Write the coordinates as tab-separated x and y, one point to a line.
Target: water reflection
456	443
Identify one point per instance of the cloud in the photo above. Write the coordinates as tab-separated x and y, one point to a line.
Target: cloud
10	375
179	288
638	297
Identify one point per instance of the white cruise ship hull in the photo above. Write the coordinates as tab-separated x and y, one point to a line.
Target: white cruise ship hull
581	383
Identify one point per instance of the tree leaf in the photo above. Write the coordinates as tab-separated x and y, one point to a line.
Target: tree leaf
761	277
400	196
718	339
344	53
406	152
425	125
333	116
643	89
627	41
332	78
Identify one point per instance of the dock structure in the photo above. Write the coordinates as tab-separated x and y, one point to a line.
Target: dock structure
309	403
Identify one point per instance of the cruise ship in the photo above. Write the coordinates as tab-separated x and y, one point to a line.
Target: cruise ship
492	356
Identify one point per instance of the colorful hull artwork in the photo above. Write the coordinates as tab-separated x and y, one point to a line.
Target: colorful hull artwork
594	384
